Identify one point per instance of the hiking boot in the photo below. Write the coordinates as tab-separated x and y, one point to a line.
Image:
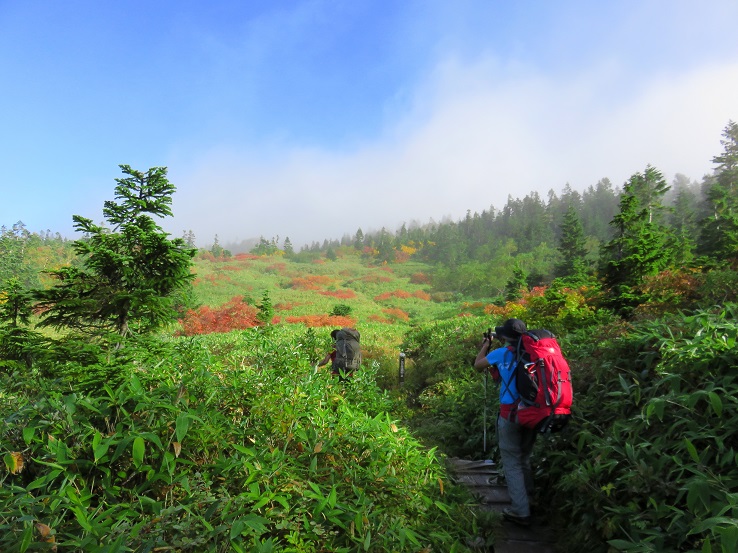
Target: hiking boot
508	515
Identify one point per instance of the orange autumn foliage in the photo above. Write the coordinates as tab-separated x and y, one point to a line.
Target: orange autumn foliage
340	294
403	294
286	306
396	314
420	278
234	314
277	268
322	320
381	320
311	282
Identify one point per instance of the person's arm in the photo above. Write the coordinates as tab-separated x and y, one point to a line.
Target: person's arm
481	363
325	360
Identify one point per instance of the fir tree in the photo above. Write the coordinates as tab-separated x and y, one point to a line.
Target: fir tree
571	246
359	240
719	231
288	249
517	284
129	274
639	247
266	310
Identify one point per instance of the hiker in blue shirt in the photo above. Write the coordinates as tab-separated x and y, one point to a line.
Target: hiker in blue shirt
515	442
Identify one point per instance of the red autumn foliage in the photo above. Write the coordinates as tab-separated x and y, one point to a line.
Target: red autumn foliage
668	291
381	320
277	268
234	314
420	278
403	294
286	306
311	282
497	311
322	320
396	314
245	256
340	294
401	256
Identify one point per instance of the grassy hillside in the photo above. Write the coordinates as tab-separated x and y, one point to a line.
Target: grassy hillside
391	294
381	301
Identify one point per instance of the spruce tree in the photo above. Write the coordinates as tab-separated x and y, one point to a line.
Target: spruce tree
289	250
129	273
517	284
266	309
640	246
359	240
682	220
571	246
719	231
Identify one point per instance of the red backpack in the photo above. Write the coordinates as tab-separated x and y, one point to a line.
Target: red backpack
543	380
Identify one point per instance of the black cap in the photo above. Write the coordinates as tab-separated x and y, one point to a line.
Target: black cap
511	328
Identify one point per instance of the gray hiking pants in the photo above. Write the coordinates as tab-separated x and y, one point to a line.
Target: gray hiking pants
516	445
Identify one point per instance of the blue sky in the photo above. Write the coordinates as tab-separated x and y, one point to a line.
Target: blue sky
313	118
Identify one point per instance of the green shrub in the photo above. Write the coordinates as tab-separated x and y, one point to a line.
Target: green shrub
222	443
341	310
651	463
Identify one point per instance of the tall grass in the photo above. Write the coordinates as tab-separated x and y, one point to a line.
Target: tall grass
225	442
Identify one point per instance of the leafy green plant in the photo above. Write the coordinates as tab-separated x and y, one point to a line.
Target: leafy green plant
652	464
228	442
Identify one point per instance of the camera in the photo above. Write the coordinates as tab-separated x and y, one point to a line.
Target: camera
489	335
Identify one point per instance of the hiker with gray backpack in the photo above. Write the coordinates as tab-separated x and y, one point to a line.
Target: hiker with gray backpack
346	354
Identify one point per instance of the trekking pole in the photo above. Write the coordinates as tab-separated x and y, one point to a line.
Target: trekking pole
484	433
488	337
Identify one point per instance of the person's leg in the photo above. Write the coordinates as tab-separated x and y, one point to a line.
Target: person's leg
527	440
509	440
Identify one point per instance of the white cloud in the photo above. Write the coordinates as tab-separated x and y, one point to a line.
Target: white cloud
474	134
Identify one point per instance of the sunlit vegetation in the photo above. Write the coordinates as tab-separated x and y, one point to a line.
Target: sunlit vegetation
180	406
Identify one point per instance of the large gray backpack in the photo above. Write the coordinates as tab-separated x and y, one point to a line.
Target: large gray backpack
348	351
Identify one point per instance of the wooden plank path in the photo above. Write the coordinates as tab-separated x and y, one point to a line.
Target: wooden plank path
484	480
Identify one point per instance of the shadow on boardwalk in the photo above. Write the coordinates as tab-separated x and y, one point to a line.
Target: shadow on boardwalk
484	480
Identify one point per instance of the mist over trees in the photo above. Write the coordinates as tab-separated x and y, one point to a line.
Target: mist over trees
615	236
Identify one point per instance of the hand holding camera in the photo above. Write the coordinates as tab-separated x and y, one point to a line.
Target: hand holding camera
488	337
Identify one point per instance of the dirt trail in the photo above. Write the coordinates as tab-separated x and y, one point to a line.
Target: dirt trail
484	480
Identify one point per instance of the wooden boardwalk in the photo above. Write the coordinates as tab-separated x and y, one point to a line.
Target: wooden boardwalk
483	478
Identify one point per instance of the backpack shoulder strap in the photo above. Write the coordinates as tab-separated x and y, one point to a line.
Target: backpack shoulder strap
506	385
